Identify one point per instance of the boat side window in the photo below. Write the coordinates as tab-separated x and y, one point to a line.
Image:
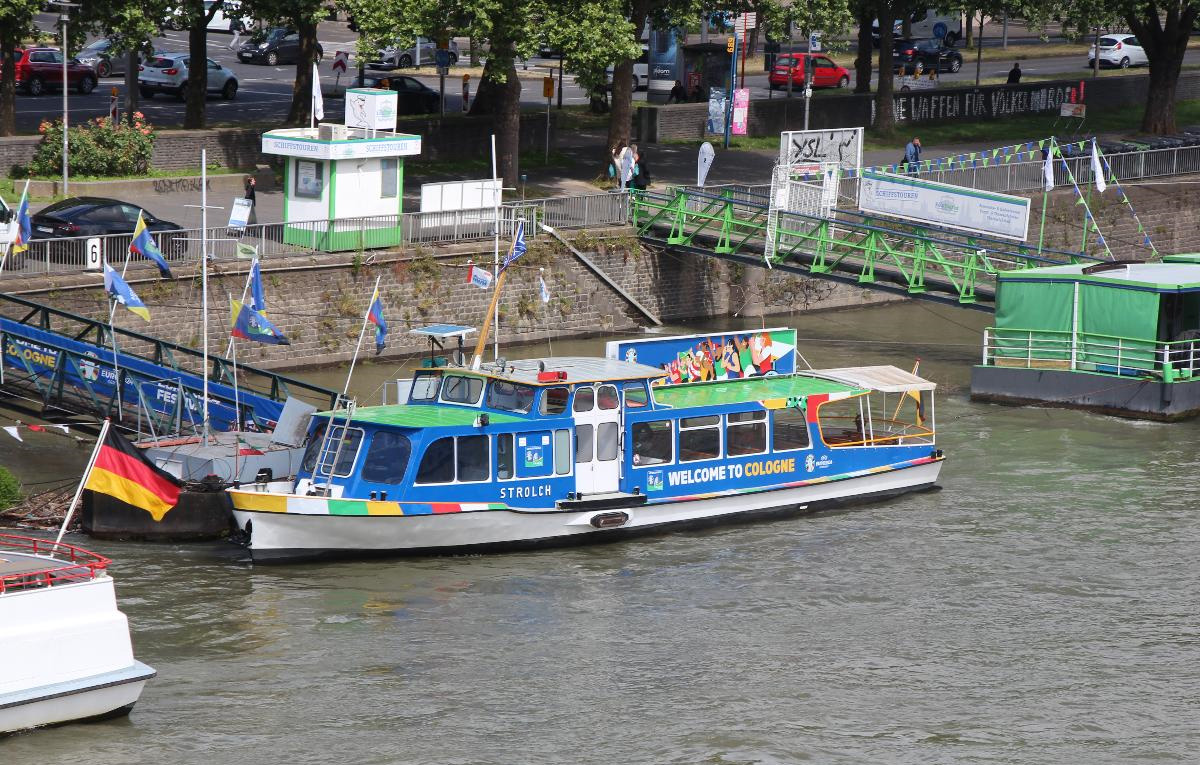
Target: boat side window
473	465
585	400
607	440
789	429
562	451
504	456
652	442
635	395
509	397
554	400
425	386
606	397
387	458
462	390
437	464
346	452
699	438
583	443
841	422
314	445
746	433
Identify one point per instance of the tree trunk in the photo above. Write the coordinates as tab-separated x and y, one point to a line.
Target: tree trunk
1165	43
620	119
197	82
885	121
502	100
970	39
301	109
8	87
131	86
862	61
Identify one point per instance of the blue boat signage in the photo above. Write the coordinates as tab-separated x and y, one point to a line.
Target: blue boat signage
711	357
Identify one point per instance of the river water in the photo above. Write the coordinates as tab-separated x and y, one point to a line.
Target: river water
1040	608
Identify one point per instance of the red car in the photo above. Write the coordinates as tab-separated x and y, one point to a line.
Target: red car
826	74
40	69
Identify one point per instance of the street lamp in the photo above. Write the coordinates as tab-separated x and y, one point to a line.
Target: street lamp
63	18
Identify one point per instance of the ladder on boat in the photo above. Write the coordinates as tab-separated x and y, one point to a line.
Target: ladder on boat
331	445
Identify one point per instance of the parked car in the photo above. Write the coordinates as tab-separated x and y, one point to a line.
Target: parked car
276	45
423	52
414	96
97	216
931	55
1121	51
99	55
641	71
168	73
40	69
826	74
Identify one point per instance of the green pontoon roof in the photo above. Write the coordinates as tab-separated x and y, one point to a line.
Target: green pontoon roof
1164	277
422	416
740	391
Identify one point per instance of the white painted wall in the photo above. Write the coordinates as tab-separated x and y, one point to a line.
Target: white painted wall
359	185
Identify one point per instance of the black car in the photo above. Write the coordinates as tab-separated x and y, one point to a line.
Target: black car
414	96
276	45
929	55
97	216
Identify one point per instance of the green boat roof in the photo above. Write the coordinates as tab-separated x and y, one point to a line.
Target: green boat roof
1169	275
422	416
741	391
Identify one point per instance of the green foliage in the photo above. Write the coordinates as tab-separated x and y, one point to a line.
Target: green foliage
10	489
97	147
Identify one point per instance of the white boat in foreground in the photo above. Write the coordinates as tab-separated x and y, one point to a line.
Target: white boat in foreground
66	652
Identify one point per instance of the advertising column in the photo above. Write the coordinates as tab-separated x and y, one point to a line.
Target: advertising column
664	62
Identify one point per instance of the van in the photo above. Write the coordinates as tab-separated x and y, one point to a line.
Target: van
641	71
927	23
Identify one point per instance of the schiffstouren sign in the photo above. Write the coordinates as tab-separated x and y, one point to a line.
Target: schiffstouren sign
981	212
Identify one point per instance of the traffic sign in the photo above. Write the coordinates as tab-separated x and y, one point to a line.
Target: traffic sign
339	61
814	42
548	87
729	43
441	57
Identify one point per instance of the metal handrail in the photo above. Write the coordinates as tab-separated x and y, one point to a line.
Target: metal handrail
1089	350
80	564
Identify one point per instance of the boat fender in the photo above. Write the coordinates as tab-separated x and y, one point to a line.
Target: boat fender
609	520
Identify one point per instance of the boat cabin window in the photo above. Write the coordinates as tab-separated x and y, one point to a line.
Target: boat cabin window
607	440
462	390
425	386
841	422
345	453
437	464
652	442
468	460
504	456
510	397
585	401
699	438
387	458
606	397
746	433
635	395
562	451
583	443
789	429
554	400
472	459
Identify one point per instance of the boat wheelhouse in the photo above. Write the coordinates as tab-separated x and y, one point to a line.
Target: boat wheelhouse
572	450
1120	338
67	652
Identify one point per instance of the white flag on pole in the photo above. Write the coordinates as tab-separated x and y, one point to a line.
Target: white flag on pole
1097	168
545	291
704	162
318	103
1048	167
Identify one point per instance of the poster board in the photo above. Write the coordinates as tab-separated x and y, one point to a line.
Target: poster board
941	204
713	356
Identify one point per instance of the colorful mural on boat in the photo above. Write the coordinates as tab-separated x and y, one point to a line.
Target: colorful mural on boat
709	357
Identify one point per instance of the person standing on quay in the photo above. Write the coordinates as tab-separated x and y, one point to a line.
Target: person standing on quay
252	218
1014	74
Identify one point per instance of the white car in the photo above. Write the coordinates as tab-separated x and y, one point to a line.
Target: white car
168	73
225	19
641	71
1118	50
394	57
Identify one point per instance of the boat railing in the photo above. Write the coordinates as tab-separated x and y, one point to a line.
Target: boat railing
65	564
849	431
1091	352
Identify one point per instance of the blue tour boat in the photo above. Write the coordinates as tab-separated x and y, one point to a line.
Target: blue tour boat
572	450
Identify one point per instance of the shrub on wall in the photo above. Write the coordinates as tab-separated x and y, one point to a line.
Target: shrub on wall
97	147
10	489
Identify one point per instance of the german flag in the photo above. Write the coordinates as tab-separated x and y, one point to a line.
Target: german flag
122	471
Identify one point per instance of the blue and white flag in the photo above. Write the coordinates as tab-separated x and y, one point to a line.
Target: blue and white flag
1048	168
545	292
518	247
480	277
121	292
257	301
1097	169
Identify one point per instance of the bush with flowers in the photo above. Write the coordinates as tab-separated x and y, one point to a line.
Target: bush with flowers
98	147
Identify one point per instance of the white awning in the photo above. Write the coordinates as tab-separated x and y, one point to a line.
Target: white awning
887	379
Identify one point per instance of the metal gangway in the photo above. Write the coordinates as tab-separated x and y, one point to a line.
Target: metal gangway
917	260
60	365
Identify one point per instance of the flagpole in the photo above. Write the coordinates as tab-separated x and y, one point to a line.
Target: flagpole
1042	229
481	346
204	280
237	404
494	313
361	332
83	481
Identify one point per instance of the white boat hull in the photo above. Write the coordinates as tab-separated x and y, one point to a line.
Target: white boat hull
298	535
110	695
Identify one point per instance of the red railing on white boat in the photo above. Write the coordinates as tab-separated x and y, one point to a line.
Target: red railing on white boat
65	563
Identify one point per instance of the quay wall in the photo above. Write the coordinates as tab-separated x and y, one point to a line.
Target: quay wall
319	300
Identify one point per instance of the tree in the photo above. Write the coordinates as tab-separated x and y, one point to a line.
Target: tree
196	18
1163	29
591	35
864	14
130	25
888	11
16	23
302	16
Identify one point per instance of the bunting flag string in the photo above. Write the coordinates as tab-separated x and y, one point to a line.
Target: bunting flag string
1080	199
1124	198
1027	151
19	426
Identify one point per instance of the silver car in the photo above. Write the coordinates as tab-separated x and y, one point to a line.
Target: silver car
168	73
394	57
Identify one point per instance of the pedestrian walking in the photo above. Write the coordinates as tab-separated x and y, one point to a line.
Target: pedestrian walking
641	171
1014	74
237	27
912	155
252	218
